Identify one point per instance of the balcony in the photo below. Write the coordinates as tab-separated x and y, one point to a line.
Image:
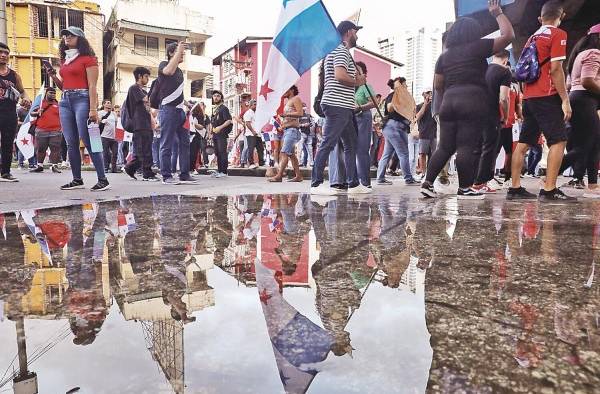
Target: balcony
198	67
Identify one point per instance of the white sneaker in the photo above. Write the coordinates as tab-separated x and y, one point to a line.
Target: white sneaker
496	184
323	190
253	167
221	175
360	189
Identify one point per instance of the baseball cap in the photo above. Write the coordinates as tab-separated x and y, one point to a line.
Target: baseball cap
594	29
346	26
252	102
73	31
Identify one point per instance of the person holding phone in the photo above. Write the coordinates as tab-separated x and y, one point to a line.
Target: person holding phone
78	78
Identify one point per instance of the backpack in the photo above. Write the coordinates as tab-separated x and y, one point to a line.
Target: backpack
154	94
126	117
529	68
317	104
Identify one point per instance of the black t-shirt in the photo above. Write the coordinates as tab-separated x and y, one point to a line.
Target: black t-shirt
495	77
427	125
8	96
170	85
465	64
305	120
392	115
220	116
138	104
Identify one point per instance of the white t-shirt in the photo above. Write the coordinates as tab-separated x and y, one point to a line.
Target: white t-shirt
249	117
110	124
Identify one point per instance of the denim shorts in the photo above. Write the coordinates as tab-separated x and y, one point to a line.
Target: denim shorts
291	137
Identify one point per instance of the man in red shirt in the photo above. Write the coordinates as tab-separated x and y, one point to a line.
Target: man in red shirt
546	107
48	131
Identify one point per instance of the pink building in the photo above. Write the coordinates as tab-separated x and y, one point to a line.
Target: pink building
238	72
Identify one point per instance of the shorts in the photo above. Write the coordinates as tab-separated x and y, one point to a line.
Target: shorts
427	147
276	136
506	140
543	115
291	137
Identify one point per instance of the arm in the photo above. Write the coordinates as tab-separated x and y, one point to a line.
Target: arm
21	90
218	129
92	79
342	76
507	33
171	67
250	127
504	102
591	84
557	75
421	112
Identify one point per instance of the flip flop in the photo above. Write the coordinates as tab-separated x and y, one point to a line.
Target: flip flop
295	180
274	180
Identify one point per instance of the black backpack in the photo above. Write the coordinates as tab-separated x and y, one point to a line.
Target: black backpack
154	95
127	116
317	104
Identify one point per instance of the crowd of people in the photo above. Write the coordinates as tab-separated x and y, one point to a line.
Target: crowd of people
467	118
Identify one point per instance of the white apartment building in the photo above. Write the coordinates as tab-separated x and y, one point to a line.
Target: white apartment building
137	34
418	50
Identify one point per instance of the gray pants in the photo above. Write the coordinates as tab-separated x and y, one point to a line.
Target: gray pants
45	140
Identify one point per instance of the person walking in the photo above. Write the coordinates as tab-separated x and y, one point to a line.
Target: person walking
78	79
395	132
222	124
108	126
338	104
460	81
138	108
546	107
364	120
291	136
48	132
172	116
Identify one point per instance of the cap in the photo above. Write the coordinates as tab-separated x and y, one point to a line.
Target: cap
346	26
594	29
252	102
73	31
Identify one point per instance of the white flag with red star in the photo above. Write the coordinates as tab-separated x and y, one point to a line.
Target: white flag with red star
24	139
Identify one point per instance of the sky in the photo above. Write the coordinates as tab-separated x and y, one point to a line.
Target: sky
236	19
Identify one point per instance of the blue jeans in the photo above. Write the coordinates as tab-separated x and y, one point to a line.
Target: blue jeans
337	166
306	148
364	120
244	153
171	121
413	153
533	158
74	112
156	151
396	140
32	161
174	154
339	124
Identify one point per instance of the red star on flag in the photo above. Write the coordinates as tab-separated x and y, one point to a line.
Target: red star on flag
264	296
265	90
25	141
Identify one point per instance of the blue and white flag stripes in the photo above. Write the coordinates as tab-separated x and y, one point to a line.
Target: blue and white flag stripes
24	139
305	34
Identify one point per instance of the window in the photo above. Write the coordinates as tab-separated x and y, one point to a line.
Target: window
45	79
40	21
58	21
139	44
76	19
197	48
152	46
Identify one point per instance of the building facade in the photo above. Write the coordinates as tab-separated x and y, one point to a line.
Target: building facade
136	37
238	72
418	50
33	31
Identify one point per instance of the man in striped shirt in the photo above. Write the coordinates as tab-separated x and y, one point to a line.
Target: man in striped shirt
338	104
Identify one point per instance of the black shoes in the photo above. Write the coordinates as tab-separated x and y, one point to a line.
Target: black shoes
519	194
427	190
37	169
129	172
74	184
101	185
8	178
554	195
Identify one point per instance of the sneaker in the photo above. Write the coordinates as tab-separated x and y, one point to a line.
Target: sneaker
529	176
252	166
37	169
170	181
575	184
213	173
198	172
74	184
129	172
340	189
55	169
101	185
385	182
554	195
519	194
8	178
360	189
428	191
150	179
412	182
189	180
484	189
323	190
496	183
221	175
470	194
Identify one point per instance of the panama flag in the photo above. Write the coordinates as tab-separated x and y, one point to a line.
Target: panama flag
305	34
24	139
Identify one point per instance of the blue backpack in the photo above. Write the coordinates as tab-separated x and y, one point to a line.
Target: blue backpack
529	68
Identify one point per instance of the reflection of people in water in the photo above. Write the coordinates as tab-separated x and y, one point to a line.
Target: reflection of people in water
290	235
341	229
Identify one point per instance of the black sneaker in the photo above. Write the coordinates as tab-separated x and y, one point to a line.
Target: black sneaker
74	184
8	178
519	194
150	179
55	169
188	180
101	185
385	182
554	195
412	182
37	169
469	194
130	173
428	191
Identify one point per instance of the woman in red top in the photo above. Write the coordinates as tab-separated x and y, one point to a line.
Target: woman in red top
78	80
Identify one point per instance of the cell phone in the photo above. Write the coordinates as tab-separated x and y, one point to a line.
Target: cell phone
47	65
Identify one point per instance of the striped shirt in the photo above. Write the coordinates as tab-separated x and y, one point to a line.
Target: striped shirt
335	93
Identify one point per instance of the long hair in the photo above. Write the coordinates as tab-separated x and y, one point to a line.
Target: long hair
198	113
83	45
463	31
590	41
391	82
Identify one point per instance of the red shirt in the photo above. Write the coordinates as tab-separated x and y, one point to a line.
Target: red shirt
50	119
74	75
551	44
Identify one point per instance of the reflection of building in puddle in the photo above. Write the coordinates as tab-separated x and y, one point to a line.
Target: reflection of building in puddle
413	279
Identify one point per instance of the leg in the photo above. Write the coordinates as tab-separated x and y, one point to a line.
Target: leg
194	150
363	144
517	164
388	151
71	135
183	136
63	148
296	167
487	159
106	152
133	165
401	148
156	151
251	148
175	151
260	149
554	160
337	171
55	143
42	142
444	151
144	152
468	151
113	155
167	136
349	138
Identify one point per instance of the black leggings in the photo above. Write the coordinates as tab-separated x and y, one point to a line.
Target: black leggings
584	138
463	112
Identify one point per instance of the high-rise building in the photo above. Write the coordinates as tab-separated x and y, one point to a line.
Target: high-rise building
418	50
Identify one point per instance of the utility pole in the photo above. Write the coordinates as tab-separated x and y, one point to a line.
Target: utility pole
3	22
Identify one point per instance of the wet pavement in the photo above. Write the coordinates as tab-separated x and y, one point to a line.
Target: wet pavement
281	293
